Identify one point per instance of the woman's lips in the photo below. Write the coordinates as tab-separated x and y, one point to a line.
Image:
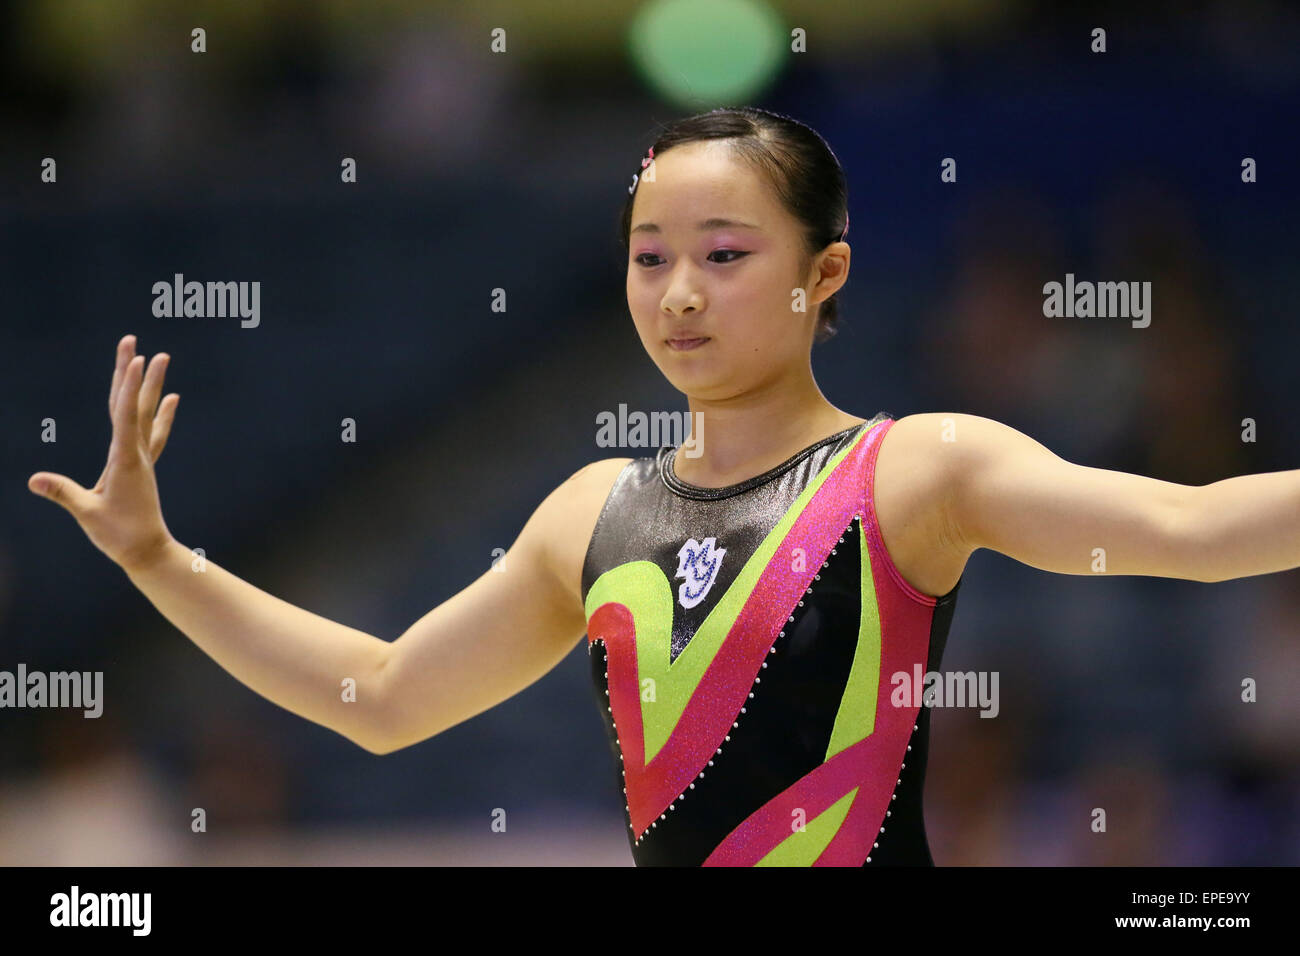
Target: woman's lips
685	345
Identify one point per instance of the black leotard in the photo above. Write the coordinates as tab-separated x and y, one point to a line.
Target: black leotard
748	702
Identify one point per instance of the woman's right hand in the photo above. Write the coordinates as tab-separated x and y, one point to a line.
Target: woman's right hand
122	515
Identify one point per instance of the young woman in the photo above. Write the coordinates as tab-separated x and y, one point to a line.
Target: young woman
746	610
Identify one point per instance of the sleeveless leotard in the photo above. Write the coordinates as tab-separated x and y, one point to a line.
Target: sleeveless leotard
742	641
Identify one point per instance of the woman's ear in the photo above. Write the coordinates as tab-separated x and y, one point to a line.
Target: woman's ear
831	271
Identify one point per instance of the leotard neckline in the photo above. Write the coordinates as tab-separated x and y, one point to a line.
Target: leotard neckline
668	455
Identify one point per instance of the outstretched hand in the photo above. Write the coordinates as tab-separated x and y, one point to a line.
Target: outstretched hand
121	514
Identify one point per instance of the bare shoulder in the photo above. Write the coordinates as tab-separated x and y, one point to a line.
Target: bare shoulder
914	484
940	448
569	516
922	452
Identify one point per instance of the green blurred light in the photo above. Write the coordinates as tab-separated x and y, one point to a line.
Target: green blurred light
706	53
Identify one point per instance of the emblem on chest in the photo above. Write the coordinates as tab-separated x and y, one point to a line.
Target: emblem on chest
697	562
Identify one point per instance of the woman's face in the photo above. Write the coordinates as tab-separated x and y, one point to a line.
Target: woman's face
712	255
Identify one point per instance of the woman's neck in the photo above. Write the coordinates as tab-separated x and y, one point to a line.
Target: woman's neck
728	444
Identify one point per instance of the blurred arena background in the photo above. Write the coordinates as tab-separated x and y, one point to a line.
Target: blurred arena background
480	170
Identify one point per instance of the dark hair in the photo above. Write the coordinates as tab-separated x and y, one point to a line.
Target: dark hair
793	158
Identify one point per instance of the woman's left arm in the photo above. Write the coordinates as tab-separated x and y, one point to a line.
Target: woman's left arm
1007	492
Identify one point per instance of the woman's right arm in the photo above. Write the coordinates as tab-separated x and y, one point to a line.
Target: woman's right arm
504	631
484	644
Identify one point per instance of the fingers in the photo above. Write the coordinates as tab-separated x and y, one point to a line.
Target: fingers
125	352
61	490
149	392
162	426
148	413
126	428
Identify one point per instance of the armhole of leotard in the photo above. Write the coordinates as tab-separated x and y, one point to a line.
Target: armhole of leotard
600	520
873	523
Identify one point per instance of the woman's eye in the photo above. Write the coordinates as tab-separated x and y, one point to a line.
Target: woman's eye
640	260
728	252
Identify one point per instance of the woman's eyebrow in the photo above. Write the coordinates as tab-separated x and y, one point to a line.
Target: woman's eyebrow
702	226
